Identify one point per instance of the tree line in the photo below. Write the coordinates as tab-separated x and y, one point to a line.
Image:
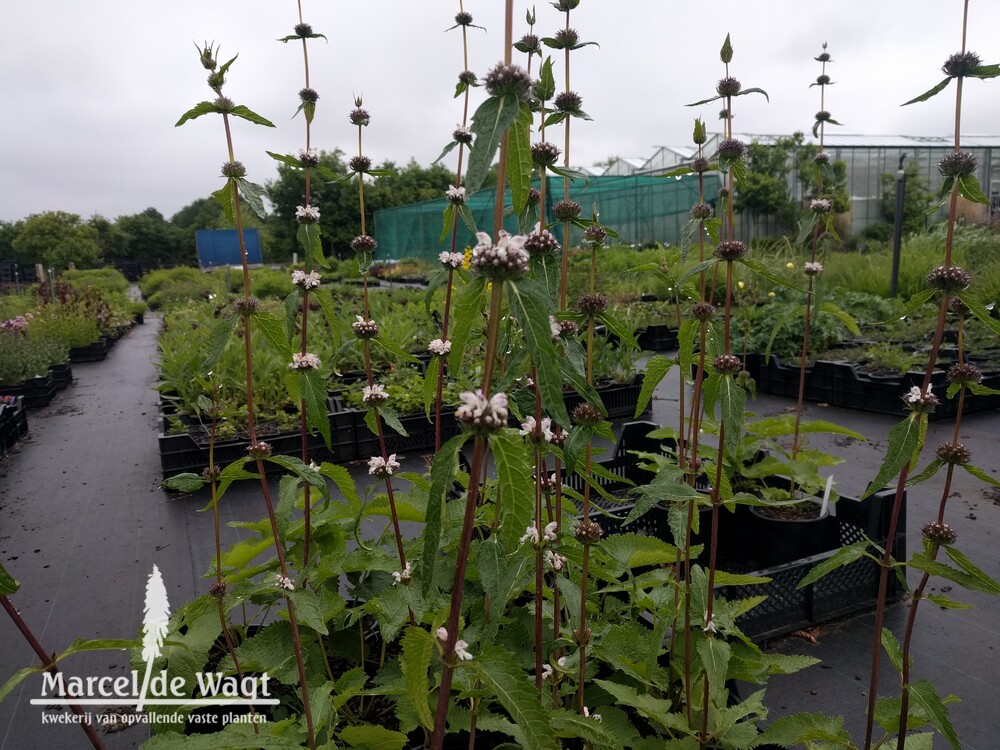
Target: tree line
57	238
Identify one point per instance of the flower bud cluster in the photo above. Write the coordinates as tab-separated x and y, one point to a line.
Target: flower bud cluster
505	259
949	279
365	329
730	250
481	413
307	214
305	361
921	402
382	467
541	242
439	348
304	280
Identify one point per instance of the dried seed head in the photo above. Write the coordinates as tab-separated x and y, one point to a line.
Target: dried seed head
463	19
568	101
823	57
728	86
233	169
363	243
508	79
592	303
953	453
949	279
211	473
940	534
246	307
308	95
359	116
701	211
587	414
703	311
303	30
534	196
730	250
727	364
958	164
541	242
462	135
823	80
965	373
365	329
360	164
566	210
961	64
700	165
566	38
530	44
595	235
217	589
308	157
732	148
822	158
588	532
956	306
544	154
467	77
823	116
259	450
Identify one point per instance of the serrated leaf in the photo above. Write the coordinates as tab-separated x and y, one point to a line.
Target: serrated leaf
732	403
986	583
614	326
308	236
431	375
840	558
16	679
638	551
253	195
519	160
923	693
696	269
272	328
288	159
657	368
391	419
715	654
794	730
8	585
415	661
892	649
186	482
945	602
250	116
515	490
545	89
981	475
929	93
517	695
499	574
373	738
903	441
571	724
922	562
344	481
489	124
442	474
981	313
466	313
968	188
312	390
530	306
199	109
225	198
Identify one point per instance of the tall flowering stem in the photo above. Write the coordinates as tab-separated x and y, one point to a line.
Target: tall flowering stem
949	282
366	329
230	197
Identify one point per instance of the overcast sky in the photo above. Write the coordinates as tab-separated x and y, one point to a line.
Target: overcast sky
90	91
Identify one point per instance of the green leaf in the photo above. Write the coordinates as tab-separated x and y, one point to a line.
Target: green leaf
794	730
923	694
616	327
344	481
186	482
250	116
756	90
418	647
578	381
447	221
390	346
656	369
199	109
442	474
929	93
668	484
519	158
571	724
491	120
929	471
372	738
696	269
762	270
903	441
638	551
253	195
467	307
515	485
16	679
308	236
225	197
986	583
840	558
968	188
977	309
430	384
8	585
980	474
891	646
732	402
915	302
545	89
715	654
390	417
726	53
530	306
501	676
272	328
288	159
945	602
312	390
983	583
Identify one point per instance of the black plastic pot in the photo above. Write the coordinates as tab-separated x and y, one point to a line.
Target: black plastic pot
34	392
62	375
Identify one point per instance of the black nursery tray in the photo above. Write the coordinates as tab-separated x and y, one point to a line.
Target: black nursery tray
13	425
842	384
746	546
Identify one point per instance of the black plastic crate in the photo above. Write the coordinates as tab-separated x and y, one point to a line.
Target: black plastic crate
13	425
62	375
34	392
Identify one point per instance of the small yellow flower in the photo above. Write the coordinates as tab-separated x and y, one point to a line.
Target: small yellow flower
467	263
770	294
741	284
789	265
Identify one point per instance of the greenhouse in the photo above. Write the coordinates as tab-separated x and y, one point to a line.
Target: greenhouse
642	208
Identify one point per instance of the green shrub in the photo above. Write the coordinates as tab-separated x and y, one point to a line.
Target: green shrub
107	281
